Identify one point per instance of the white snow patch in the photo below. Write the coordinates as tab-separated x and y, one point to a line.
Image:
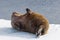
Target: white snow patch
8	33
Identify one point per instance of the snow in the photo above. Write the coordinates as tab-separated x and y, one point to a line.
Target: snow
8	33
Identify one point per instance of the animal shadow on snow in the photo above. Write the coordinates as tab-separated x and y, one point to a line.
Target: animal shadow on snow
6	31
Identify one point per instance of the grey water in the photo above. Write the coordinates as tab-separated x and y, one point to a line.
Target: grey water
49	8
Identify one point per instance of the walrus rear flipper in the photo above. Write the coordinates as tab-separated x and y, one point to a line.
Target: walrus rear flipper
28	11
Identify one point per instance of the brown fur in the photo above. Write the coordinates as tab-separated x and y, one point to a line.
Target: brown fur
30	22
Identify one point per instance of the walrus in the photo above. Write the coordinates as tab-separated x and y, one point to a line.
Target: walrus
31	22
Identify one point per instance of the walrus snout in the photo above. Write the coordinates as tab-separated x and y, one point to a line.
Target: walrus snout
16	14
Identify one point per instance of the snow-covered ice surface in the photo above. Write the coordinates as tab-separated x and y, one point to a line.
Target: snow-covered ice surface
8	33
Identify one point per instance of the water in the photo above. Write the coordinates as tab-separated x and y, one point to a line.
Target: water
49	8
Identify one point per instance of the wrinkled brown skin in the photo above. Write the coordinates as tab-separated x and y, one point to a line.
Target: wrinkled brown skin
30	22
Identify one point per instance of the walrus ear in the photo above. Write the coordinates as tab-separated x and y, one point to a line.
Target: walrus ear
28	11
